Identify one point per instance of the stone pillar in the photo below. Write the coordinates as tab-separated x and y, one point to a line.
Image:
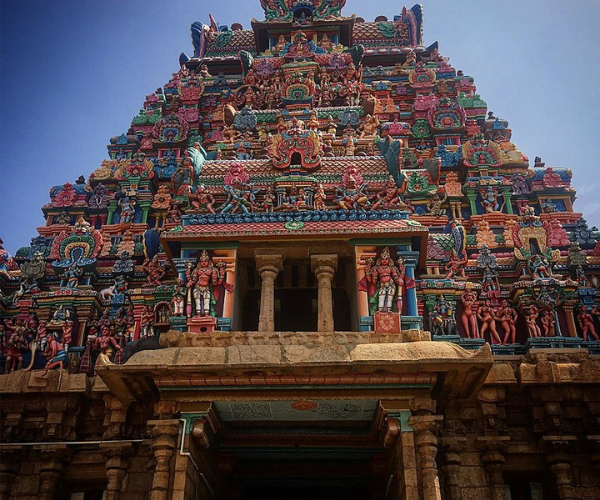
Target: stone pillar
493	462
324	267
9	467
557	450
269	266
51	469
570	317
507	193
453	447
472	197
116	466
165	433
426	428
411	259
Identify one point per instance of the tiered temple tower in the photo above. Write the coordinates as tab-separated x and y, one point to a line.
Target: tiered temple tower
315	266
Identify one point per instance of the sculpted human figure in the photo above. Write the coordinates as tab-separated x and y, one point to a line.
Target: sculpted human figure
531	316
455	266
352	196
434	205
17	344
388	278
548	323
72	275
107	344
200	279
319	198
55	353
487	316
155	272
201	200
387	198
508	319
586	323
146	322
469	315
489	199
127	209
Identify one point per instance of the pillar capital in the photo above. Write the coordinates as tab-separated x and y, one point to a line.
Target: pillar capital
324	261
269	262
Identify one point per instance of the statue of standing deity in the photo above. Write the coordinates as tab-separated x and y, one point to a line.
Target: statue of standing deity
202	280
385	283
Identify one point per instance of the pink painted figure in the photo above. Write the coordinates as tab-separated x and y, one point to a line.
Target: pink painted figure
455	266
107	344
586	323
154	270
531	315
469	315
548	323
487	316
17	344
55	353
508	318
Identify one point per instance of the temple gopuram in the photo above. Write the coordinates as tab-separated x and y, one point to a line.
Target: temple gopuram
314	267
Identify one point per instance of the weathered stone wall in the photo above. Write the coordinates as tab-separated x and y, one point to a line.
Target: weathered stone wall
535	418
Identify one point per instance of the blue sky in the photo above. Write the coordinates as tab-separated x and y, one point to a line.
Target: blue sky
74	73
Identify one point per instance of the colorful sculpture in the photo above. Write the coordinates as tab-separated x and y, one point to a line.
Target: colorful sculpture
302	137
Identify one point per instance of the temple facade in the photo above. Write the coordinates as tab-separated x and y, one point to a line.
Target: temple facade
314	267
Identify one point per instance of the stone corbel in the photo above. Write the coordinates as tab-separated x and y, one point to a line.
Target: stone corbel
115	417
391	432
61	417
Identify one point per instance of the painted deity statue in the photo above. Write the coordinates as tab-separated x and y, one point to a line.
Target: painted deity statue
107	344
508	319
586	323
487	316
201	282
469	314
55	353
386	282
